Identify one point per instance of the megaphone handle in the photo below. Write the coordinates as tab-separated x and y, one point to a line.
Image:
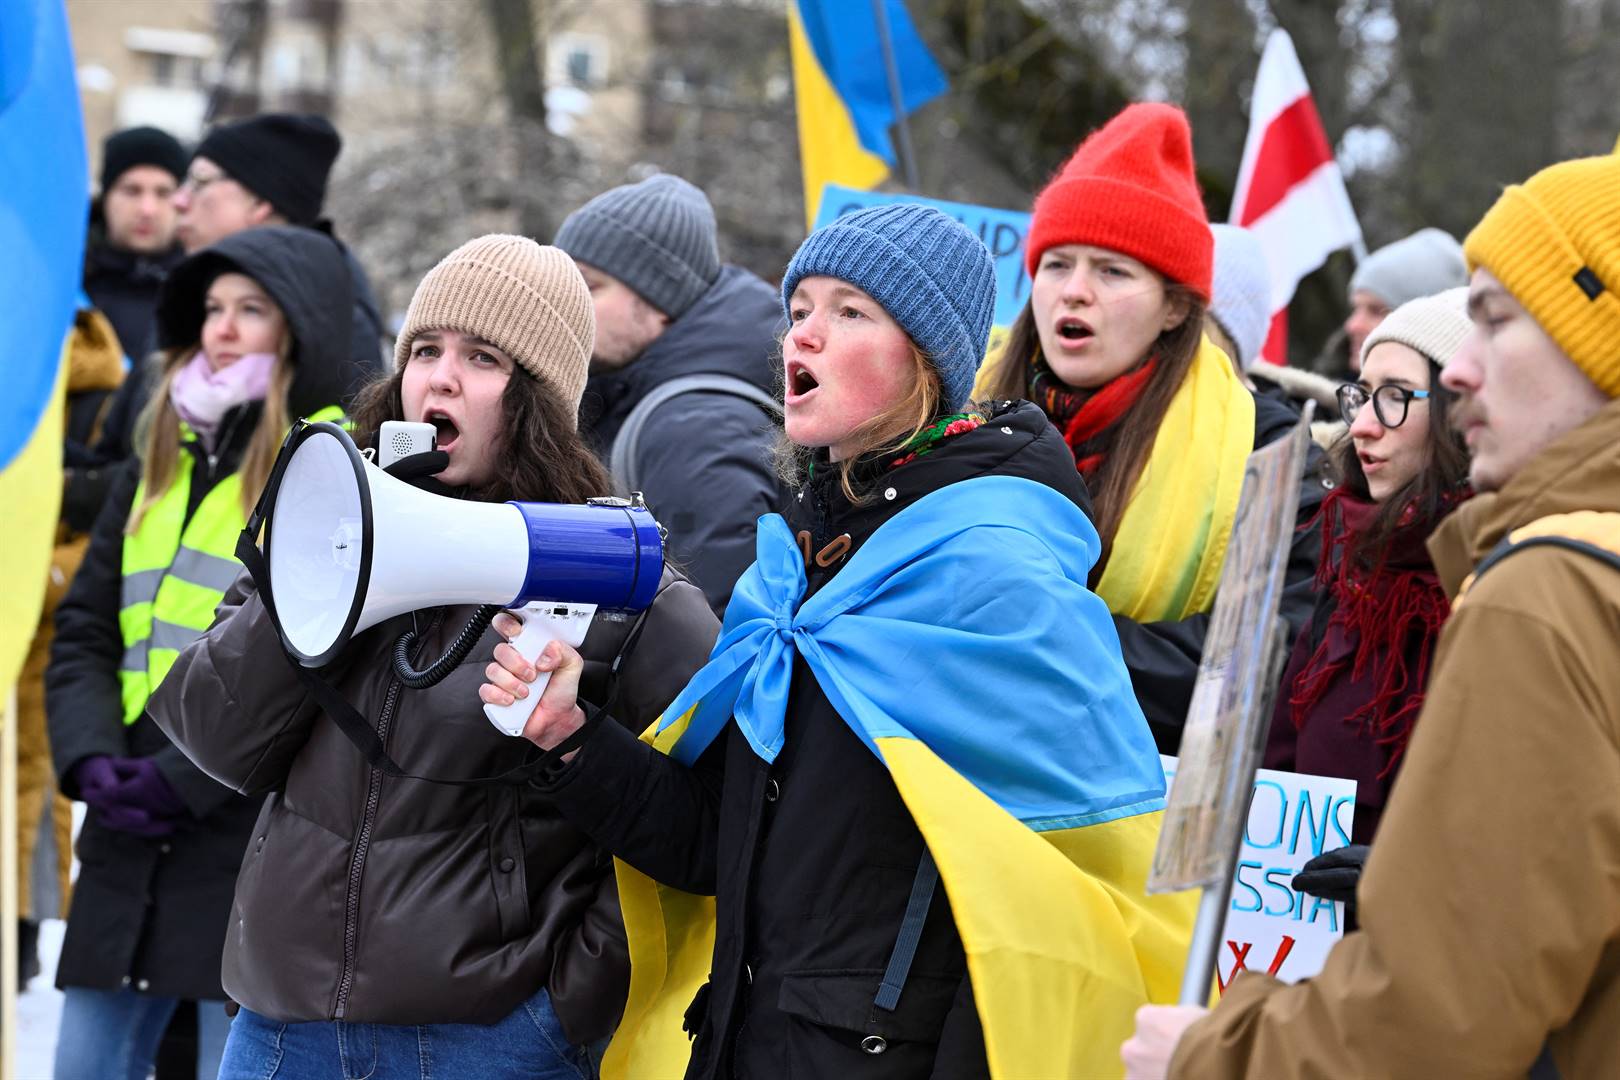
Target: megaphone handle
543	623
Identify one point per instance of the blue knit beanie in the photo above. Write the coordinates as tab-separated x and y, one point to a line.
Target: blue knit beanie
934	277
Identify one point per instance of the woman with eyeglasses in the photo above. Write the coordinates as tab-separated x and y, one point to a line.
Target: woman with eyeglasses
1355	680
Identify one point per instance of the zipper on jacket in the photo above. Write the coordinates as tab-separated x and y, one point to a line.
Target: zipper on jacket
362	840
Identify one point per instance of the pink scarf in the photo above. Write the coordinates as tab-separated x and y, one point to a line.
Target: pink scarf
202	396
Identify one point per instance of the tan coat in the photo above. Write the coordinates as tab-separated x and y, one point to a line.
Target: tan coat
1490	909
95	362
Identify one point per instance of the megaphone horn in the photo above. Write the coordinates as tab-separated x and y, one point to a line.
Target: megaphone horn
349	546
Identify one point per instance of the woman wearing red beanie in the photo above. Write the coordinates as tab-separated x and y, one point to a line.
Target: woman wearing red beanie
1112	347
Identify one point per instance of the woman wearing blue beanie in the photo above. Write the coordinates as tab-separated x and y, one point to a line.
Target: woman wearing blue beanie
912	777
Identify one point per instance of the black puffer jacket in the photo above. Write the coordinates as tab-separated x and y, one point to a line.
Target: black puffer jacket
151	913
811	858
705	457
378	900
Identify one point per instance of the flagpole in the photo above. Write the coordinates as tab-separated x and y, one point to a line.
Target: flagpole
908	159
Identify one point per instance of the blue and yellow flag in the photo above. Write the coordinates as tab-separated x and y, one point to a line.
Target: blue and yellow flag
1042	812
44	203
841	87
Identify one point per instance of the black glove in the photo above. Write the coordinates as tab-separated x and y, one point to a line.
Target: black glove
83	493
418	470
1333	875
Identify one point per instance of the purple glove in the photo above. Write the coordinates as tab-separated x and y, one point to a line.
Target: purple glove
127	819
142	802
95	778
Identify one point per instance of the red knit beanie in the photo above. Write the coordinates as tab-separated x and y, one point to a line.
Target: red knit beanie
1130	188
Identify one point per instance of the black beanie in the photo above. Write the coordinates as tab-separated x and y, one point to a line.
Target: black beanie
282	158
123	150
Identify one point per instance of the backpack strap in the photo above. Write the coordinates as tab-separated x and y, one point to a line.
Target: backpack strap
1587	531
626	448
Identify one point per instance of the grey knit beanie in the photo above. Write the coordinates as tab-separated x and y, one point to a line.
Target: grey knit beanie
1427	262
1435	326
658	237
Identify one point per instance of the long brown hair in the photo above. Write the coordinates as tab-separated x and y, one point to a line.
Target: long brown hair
157	432
541	457
1128	444
1422	500
886	433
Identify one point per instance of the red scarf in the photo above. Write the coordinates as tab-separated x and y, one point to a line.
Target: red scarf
1082	417
1385	609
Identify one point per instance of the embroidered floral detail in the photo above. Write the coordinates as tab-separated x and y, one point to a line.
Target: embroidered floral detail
924	442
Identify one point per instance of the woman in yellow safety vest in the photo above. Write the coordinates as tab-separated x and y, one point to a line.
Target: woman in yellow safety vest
255	333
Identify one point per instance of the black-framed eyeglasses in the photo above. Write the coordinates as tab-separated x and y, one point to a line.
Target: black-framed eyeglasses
1390	402
195	183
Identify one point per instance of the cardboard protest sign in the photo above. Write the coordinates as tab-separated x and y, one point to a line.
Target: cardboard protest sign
1269	926
1237	677
1208	805
1002	231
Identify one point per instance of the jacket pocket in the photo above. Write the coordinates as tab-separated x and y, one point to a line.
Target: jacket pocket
834	1023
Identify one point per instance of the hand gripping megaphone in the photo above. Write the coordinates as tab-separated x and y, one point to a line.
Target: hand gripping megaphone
348	546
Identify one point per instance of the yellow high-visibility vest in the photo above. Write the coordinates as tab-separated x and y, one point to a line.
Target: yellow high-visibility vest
175	572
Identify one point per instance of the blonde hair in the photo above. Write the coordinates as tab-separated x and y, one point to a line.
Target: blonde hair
157	432
886	433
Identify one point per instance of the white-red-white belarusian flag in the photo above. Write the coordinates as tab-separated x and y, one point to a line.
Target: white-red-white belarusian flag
1289	192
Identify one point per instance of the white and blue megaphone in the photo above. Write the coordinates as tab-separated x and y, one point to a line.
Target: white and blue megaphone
348	546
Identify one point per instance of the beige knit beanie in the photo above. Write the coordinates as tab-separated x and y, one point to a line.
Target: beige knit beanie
529	301
1433	325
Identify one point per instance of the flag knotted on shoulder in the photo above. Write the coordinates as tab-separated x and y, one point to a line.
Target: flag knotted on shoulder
1041	810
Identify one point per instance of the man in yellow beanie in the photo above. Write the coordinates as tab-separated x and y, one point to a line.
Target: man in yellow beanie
1490	909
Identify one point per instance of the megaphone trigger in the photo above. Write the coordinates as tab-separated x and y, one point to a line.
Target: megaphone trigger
543	623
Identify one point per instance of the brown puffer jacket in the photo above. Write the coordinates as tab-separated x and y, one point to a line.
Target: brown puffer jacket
367	898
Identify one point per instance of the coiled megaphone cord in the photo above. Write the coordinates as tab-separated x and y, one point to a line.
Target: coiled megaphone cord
436	672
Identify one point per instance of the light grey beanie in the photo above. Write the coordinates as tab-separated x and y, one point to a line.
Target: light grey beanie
1433	325
1241	300
658	237
1427	262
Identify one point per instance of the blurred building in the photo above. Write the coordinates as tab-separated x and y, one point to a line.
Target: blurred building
376	67
142	62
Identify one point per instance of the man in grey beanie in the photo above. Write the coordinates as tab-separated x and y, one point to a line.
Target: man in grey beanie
681	403
1427	262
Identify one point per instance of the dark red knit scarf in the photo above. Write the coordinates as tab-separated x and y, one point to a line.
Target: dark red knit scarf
1385	608
1083	416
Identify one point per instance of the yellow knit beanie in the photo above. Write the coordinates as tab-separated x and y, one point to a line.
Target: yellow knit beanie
1554	242
527	300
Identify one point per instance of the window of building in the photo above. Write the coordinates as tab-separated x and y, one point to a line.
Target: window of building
579	60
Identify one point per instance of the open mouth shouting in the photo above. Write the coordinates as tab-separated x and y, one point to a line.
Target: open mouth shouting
1073	333
445	431
800	383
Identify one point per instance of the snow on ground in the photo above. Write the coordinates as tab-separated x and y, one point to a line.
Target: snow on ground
39	1010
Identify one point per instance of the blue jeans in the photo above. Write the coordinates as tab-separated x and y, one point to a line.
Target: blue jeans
114	1034
527	1045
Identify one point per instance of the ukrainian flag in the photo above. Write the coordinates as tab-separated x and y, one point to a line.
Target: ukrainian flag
44	204
1014	739
840	84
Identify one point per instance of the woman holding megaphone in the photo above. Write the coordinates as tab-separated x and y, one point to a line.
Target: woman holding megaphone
255	334
913	776
385	925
